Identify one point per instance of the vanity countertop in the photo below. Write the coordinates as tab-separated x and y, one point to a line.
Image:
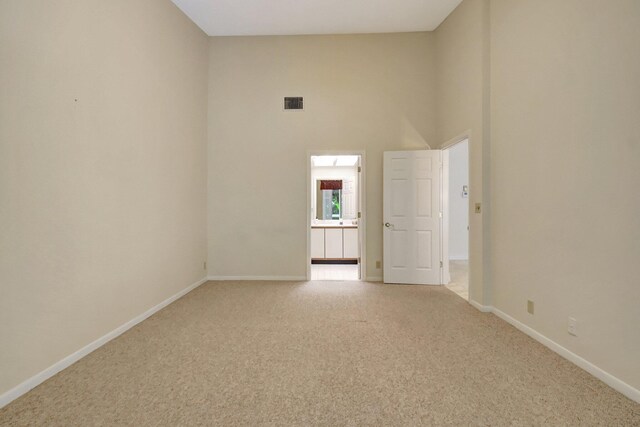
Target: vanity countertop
334	226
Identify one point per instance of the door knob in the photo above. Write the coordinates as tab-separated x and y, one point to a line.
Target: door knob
387	224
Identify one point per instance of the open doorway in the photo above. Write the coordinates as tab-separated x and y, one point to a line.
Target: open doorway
456	183
335	232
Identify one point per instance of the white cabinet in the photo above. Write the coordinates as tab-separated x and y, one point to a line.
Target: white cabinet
333	242
317	243
350	243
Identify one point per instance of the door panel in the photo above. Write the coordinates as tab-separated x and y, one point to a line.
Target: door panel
317	243
398	197
412	217
333	242
423	197
423	248
350	240
399	244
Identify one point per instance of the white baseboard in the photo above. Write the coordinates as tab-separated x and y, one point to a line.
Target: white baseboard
605	377
41	377
482	308
260	278
278	278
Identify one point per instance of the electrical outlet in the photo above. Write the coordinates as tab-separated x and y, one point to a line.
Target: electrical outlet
478	208
530	307
573	327
378	264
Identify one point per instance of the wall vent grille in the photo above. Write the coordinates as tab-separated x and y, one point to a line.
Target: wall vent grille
293	103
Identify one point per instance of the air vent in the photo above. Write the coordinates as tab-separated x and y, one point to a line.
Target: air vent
293	103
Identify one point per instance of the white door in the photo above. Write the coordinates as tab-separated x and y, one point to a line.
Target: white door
412	217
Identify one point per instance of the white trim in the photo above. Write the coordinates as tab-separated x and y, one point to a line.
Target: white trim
445	256
482	308
456	140
259	278
459	258
613	382
41	377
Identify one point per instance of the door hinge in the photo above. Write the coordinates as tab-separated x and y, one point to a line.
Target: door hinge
441	264
359	215
359	169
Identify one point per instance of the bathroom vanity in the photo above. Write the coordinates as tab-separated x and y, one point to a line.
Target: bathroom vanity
334	242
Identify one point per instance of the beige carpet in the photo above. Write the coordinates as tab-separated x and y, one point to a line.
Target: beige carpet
322	353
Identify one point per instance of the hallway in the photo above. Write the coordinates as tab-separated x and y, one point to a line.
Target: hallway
459	284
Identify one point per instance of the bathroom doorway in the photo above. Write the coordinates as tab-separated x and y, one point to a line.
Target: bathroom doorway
456	217
335	232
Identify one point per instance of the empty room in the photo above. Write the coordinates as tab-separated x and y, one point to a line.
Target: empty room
319	212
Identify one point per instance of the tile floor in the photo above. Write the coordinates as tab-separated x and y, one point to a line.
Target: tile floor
334	271
459	278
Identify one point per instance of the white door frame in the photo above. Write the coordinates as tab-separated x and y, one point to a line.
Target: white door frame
445	274
466	136
361	205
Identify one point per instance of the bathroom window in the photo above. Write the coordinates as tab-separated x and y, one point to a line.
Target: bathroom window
329	199
336	198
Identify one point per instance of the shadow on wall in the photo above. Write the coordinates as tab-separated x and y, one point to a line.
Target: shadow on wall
411	137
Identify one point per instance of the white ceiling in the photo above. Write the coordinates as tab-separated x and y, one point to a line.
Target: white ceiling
288	17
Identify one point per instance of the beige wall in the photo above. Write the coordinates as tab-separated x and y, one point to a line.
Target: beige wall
462	87
102	170
364	92
565	161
